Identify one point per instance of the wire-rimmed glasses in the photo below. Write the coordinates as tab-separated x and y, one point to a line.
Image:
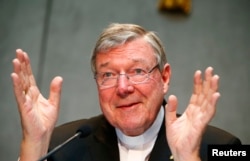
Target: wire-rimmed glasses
135	76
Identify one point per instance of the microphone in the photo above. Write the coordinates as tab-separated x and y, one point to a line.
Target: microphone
82	132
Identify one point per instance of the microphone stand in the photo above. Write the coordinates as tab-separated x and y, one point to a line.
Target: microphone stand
60	146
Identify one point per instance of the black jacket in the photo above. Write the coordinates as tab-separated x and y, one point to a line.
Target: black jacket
102	145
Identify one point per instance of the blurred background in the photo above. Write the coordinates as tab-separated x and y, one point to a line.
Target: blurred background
59	36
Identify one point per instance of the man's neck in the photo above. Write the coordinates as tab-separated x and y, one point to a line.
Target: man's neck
142	140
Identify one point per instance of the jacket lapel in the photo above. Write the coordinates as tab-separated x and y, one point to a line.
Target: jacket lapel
161	149
105	146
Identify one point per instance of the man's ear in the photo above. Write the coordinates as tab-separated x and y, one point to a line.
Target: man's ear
166	75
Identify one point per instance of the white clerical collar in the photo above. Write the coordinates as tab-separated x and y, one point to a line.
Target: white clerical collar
135	142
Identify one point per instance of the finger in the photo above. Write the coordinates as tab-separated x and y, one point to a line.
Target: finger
55	91
210	110
215	83
215	98
28	68
17	65
171	109
212	96
17	76
18	91
197	82
21	69
197	89
207	81
25	67
19	54
205	88
210	85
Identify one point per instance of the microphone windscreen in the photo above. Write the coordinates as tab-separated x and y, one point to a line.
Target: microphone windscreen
85	130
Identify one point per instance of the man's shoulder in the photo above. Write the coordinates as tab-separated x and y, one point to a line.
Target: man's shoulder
74	125
66	130
215	135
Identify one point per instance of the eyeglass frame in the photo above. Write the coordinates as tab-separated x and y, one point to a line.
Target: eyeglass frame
147	74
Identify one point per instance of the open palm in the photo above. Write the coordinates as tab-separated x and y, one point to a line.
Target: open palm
184	133
38	114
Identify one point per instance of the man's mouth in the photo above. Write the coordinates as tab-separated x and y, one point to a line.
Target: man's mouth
127	105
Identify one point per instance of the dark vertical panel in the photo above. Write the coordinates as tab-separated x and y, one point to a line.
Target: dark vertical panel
21	26
45	34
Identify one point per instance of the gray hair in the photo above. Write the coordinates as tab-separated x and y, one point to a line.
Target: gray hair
118	34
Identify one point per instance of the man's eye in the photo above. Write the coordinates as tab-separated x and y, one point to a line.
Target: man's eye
139	71
108	75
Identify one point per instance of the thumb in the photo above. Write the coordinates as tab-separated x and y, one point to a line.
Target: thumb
55	91
171	109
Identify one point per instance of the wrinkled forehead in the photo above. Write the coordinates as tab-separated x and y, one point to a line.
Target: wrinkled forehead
137	51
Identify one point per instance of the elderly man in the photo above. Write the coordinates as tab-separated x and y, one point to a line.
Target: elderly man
132	75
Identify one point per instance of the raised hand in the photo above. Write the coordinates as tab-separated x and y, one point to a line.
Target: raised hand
184	133
38	114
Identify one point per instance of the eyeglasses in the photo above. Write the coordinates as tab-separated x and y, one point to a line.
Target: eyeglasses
135	76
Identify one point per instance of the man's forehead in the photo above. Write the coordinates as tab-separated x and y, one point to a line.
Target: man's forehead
107	62
137	51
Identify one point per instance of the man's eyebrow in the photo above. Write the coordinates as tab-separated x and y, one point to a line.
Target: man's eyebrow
140	60
104	65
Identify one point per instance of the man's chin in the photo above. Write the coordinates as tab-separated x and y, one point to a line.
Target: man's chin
132	129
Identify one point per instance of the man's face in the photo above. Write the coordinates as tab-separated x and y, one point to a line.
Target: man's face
132	107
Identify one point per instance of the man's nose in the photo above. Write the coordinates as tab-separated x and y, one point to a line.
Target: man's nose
123	81
123	85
